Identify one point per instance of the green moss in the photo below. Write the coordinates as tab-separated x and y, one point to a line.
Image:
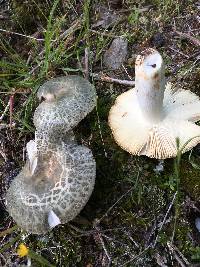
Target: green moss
190	180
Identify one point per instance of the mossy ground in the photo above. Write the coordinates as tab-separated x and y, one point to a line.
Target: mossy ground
132	218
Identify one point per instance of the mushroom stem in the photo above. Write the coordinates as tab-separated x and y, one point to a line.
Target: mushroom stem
150	84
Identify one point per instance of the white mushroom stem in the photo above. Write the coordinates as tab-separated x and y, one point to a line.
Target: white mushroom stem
53	219
150	84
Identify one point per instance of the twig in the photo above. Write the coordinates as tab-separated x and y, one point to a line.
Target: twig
3	154
22	35
177	254
105	249
91	232
170	206
164	220
104	78
11	101
196	54
16	92
114	240
105	34
179	52
5	110
127	72
100	238
192	39
191	68
136	257
76	25
180	254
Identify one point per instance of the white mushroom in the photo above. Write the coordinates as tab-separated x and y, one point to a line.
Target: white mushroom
148	119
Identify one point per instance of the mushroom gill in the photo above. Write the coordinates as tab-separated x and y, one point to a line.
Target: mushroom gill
148	119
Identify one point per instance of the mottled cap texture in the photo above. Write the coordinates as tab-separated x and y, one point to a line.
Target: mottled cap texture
59	175
67	100
62	182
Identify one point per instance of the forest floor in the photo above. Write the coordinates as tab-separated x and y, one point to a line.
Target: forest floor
136	215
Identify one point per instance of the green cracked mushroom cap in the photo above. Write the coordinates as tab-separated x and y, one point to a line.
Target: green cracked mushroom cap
68	100
59	175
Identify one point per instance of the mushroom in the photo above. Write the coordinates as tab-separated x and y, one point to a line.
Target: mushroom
148	119
59	175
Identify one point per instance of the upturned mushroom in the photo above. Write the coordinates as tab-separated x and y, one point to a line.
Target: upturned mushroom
59	175
148	119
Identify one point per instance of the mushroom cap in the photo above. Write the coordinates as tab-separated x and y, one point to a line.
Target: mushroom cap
181	104
62	183
58	177
68	100
135	134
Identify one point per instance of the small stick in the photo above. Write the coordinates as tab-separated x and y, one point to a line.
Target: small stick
3	154
192	39
135	257
164	220
11	102
91	232
126	72
75	26
100	239
5	110
105	34
168	210
22	35
180	254
179	52
27	91
105	249
104	78
177	254
196	54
